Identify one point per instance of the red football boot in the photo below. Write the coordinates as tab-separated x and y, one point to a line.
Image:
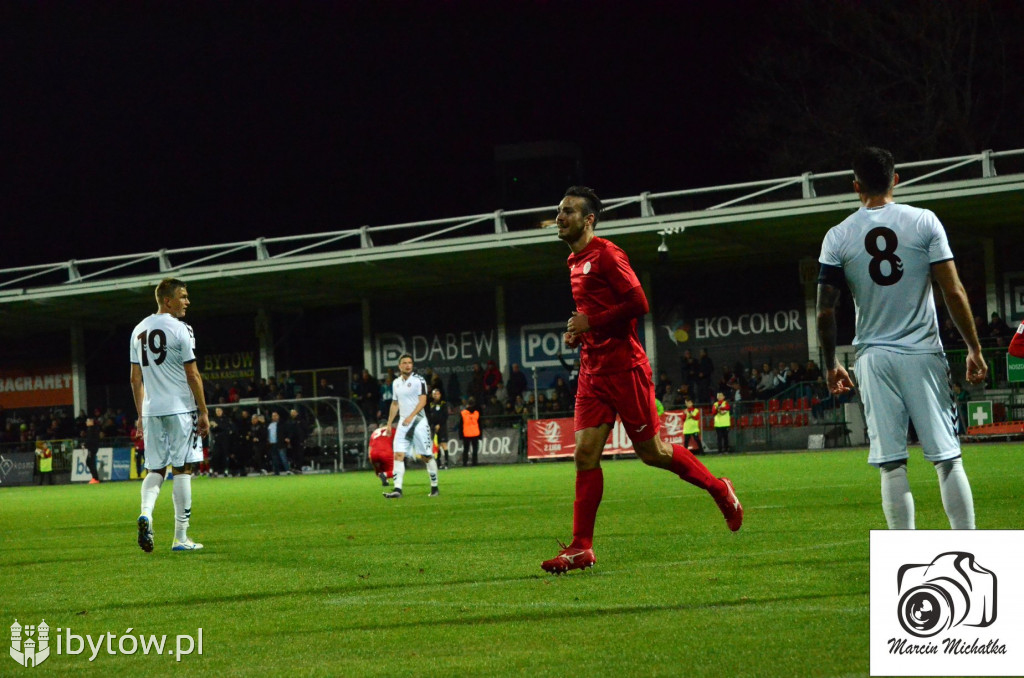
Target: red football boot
731	507
569	558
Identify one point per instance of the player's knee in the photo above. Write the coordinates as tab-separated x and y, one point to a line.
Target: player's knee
586	459
892	467
652	452
186	469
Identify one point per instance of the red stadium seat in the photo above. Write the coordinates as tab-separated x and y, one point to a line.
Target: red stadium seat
758	421
787	404
773	405
803	404
744	421
773	420
758	406
787	420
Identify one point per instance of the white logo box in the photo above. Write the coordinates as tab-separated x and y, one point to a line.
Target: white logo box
947	603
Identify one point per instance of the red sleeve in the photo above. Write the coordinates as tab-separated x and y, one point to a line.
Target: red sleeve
633	304
617	271
1017	343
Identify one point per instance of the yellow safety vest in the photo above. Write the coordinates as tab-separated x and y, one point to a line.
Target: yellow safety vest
46	462
723	418
692	423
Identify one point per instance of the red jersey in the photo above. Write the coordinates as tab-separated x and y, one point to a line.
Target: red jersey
1017	343
382	446
601	277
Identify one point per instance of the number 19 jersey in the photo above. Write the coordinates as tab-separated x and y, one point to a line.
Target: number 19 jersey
886	254
161	345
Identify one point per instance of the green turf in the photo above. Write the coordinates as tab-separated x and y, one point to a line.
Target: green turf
318	575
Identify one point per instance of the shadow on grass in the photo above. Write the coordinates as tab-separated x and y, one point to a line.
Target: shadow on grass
320	591
520	615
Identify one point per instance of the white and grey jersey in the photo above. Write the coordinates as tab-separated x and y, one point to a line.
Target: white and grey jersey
886	255
407	392
161	345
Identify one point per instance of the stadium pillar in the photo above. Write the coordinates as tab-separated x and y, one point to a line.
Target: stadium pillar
809	278
78	386
991	281
368	340
499	307
265	335
650	340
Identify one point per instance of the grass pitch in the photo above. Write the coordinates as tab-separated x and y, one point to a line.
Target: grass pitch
319	575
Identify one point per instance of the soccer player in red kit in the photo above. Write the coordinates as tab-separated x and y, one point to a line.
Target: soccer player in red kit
382	453
1016	347
615	377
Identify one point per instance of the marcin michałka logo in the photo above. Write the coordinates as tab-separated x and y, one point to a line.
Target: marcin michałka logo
951	590
946	603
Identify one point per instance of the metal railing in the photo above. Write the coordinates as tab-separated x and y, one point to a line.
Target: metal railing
356	242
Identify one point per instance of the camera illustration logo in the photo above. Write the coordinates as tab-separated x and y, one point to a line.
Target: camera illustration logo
950	591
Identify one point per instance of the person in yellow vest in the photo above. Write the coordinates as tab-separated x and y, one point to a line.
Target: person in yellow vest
691	428
470	431
723	420
45	455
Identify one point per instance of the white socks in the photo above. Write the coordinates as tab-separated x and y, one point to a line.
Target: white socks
182	494
432	471
398	472
957	498
150	491
897	502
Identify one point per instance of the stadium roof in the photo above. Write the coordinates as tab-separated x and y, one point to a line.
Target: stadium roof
782	220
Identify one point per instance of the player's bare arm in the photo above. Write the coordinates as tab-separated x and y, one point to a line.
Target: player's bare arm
420	404
392	413
944	273
139	392
195	384
836	375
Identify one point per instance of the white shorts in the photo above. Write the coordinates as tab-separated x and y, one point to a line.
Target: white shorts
414	439
171	440
897	387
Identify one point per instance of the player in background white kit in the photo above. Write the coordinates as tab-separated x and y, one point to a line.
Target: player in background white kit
172	409
889	254
413	432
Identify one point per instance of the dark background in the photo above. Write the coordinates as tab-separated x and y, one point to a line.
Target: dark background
130	128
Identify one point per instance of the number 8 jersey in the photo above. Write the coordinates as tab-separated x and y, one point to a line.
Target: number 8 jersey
161	344
886	255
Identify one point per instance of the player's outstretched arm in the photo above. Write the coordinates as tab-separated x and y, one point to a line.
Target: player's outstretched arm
944	273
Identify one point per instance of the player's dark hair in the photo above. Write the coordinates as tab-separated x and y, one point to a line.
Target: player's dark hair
873	168
404	356
167	288
593	202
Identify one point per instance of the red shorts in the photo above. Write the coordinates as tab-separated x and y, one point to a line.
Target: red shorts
630	394
383	461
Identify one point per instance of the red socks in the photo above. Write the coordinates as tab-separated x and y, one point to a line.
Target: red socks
689	468
589	488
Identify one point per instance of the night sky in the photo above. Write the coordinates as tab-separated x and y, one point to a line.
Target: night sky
174	125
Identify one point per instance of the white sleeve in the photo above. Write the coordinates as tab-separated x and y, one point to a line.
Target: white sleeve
938	243
133	350
188	343
829	254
